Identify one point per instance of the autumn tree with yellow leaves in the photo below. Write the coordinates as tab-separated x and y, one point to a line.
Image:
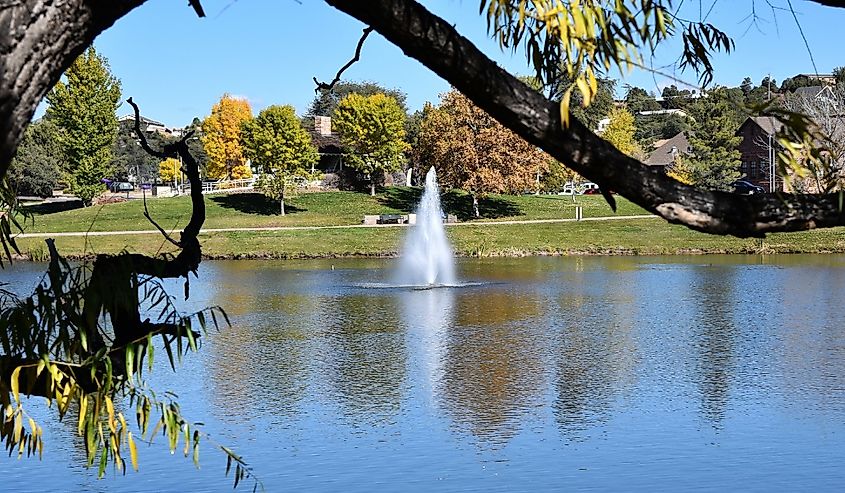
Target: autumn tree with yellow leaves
372	132
168	169
620	131
221	139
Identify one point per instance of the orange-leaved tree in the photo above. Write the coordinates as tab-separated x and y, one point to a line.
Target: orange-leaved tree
474	152
221	139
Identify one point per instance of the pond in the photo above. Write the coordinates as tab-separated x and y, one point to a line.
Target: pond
585	373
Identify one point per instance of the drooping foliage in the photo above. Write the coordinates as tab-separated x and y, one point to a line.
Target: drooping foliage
221	139
579	41
83	107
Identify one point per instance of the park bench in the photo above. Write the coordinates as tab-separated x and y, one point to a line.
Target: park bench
390	219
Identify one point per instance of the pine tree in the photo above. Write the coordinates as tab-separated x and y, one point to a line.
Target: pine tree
715	159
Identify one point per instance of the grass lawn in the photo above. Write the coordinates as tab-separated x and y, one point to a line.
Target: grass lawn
310	209
637	236
469	238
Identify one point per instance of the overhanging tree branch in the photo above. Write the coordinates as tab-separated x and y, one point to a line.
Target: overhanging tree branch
438	46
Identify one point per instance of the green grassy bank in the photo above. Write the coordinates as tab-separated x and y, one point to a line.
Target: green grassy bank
471	238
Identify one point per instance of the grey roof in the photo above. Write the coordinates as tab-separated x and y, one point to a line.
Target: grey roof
144	120
808	92
666	153
769	124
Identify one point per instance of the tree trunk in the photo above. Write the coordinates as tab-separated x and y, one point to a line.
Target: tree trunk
372	188
282	203
475	211
38	42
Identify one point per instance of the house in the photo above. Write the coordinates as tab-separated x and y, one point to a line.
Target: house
758	150
667	152
815	92
149	126
826	79
673	111
328	145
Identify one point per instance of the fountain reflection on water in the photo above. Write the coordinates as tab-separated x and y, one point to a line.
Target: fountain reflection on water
427	259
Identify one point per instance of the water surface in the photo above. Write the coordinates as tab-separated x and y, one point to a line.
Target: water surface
591	374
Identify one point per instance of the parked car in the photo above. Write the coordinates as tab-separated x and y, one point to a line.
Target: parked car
746	188
592	191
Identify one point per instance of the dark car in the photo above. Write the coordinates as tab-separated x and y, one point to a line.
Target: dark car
746	188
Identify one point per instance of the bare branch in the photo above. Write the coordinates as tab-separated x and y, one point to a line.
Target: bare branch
161	230
328	87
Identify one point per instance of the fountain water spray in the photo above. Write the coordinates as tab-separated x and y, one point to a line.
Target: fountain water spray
427	258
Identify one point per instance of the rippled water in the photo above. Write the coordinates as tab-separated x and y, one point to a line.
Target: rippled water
596	374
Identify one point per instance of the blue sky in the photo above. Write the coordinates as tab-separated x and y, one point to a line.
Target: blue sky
176	65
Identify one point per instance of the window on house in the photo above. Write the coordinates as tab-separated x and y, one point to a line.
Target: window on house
743	168
752	173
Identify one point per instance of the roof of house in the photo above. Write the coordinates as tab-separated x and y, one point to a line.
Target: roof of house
144	120
666	153
808	92
769	124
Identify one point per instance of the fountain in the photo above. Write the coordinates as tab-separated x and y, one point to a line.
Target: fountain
427	259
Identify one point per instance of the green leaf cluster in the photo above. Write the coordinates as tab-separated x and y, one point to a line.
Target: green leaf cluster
276	142
83	107
372	131
36	167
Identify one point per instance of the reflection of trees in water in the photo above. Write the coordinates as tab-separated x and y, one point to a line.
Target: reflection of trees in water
715	336
365	357
813	345
594	353
493	367
261	360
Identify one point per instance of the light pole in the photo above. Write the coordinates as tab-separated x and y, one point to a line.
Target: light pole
771	166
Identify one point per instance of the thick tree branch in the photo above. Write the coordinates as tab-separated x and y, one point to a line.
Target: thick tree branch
436	44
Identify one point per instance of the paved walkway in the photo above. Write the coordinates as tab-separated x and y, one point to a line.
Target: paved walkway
309	228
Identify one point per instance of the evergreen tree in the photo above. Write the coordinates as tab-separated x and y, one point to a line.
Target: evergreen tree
36	167
638	99
326	102
83	107
715	159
